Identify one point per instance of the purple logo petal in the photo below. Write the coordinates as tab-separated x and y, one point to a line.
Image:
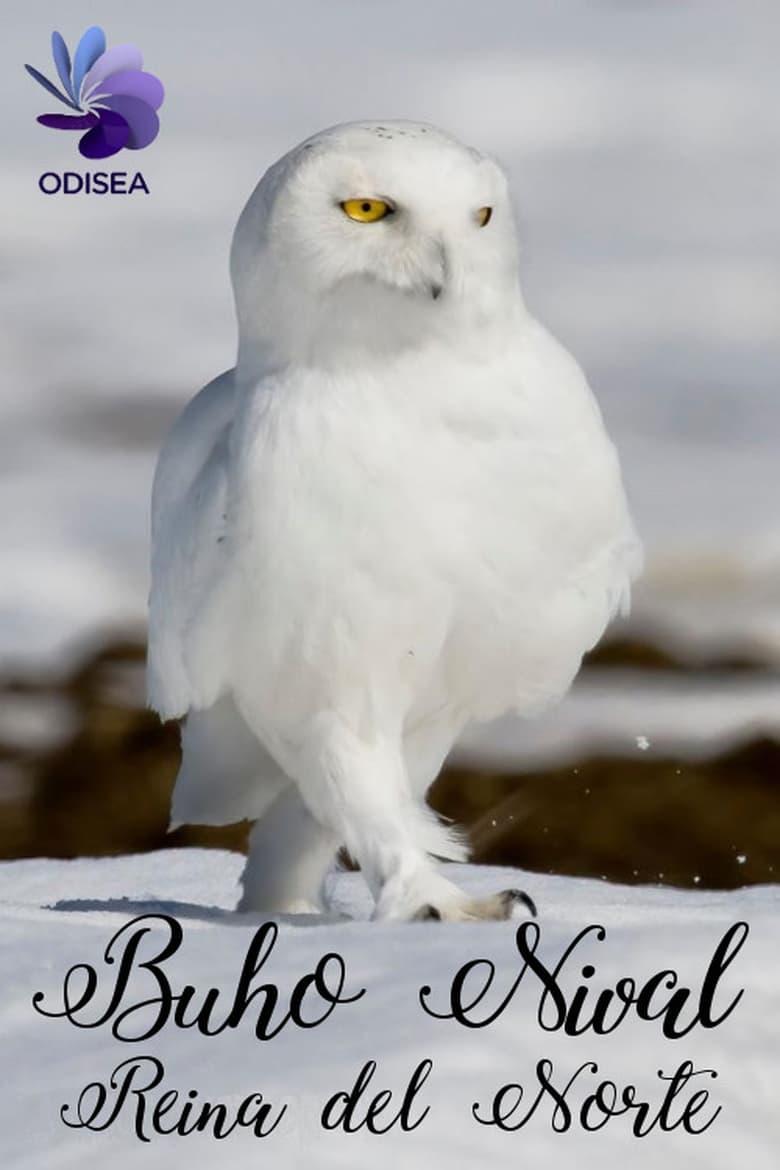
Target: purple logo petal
108	137
59	51
91	46
142	119
49	87
68	121
133	83
116	60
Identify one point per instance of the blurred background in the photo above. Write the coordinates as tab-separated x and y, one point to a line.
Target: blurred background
642	138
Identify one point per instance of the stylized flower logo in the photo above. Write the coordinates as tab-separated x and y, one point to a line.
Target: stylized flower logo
114	99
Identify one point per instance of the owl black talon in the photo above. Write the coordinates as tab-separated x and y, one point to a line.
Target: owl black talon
519	898
427	913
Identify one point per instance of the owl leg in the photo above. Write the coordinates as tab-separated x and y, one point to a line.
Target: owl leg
358	787
289	855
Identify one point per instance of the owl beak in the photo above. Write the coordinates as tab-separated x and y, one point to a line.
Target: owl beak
437	286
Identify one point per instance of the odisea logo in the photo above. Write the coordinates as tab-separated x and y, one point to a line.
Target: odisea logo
113	99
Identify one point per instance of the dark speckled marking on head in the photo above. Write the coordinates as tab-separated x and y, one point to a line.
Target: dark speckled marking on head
398	132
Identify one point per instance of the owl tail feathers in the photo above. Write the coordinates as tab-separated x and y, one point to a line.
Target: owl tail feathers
226	775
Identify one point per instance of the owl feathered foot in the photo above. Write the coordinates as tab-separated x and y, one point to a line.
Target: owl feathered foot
428	896
506	904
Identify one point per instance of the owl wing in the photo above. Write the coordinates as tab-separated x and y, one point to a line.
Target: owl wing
226	774
188	519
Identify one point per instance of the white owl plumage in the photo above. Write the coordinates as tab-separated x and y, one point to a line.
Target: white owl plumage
398	513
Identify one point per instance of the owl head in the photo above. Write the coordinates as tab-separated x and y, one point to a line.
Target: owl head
372	235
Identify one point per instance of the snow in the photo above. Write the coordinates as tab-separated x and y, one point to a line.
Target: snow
57	914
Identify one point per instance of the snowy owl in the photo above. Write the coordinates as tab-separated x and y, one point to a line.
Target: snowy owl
398	514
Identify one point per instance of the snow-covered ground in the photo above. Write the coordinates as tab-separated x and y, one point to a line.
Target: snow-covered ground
54	915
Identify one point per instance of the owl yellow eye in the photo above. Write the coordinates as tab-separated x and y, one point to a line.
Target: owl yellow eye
366	210
483	216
